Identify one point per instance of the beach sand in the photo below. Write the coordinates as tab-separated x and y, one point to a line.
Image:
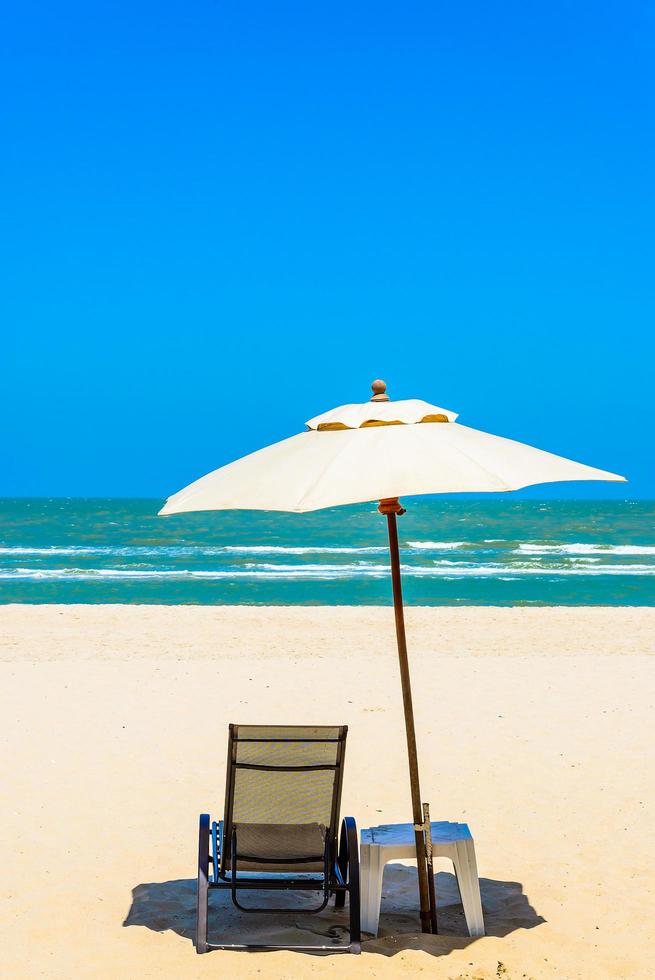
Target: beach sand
535	727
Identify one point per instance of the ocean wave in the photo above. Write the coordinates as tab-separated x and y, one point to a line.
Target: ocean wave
265	549
435	545
72	550
453	569
116	551
164	551
188	551
585	549
271	572
449	570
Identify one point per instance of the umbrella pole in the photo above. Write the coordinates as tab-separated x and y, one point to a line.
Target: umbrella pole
390	508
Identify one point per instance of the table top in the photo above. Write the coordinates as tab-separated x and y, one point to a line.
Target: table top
443	831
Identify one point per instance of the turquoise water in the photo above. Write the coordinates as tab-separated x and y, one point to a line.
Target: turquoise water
478	552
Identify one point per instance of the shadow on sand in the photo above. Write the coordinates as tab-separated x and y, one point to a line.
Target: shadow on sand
172	905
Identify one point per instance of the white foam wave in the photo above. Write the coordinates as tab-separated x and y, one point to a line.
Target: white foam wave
454	569
77	550
450	570
164	551
265	549
183	551
254	571
127	551
579	548
435	545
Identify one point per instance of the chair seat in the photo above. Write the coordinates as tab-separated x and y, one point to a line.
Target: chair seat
280	847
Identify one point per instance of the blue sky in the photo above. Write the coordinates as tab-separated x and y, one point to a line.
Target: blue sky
222	218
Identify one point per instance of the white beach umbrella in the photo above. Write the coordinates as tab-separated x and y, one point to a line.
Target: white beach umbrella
374	451
380	450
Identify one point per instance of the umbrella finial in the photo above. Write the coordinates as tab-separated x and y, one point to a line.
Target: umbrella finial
379	391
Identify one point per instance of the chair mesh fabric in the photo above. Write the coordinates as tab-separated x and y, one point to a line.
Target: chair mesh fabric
275	847
283	797
288	733
295	806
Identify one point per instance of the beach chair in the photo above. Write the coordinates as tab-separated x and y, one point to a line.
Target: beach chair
279	831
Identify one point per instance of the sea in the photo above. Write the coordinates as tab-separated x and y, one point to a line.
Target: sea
502	552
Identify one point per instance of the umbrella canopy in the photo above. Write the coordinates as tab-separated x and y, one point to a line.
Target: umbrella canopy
381	450
374	451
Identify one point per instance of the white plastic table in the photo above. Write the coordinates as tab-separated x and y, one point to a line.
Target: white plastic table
392	841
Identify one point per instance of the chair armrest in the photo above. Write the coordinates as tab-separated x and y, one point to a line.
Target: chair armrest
349	867
217	847
203	846
348	846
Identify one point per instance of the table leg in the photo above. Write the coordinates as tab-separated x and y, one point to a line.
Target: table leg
477	918
371	873
469	887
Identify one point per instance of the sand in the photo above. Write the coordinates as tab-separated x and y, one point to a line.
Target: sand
535	727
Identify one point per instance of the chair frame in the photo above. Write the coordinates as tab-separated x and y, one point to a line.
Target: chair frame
218	848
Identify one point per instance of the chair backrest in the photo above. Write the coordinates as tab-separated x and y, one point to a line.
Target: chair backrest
284	774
